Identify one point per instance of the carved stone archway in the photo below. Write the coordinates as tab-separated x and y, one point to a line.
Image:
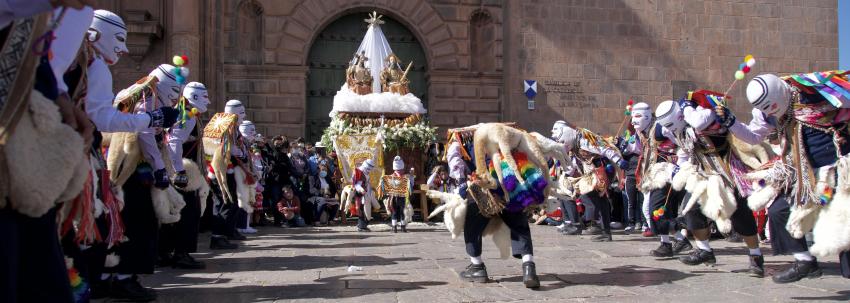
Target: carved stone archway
310	17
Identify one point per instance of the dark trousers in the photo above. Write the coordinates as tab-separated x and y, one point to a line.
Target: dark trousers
568	206
475	223
138	255
844	258
743	221
780	239
182	237
89	262
670	200
632	202
242	219
397	205
595	205
225	211
362	221
272	194
308	212
332	211
32	267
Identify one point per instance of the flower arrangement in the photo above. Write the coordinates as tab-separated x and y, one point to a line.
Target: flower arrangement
415	135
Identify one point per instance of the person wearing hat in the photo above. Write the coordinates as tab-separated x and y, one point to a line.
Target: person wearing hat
702	138
789	109
655	148
590	149
225	210
86	78
362	187
397	188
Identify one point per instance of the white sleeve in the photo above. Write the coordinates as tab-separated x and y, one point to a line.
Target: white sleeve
431	180
99	107
699	118
176	137
682	157
755	132
69	36
603	150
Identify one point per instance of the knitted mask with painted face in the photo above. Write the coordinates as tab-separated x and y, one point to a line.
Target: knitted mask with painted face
168	90
564	133
235	107
108	36
770	94
398	163
196	94
670	116
248	130
641	116
367	166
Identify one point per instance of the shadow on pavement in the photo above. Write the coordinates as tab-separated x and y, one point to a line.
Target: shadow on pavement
625	276
321	246
843	295
335	287
300	262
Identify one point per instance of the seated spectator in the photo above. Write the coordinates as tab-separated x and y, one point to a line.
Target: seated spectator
322	189
439	180
553	218
290	207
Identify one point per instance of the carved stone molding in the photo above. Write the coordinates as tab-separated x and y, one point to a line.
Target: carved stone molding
141	33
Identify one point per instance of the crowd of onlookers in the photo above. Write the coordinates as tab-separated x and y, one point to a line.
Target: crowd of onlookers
299	183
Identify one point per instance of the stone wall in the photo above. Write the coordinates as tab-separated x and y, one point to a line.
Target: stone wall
591	56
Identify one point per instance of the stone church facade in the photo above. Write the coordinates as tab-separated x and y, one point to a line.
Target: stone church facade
284	58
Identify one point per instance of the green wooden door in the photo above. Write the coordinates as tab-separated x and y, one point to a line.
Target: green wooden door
330	54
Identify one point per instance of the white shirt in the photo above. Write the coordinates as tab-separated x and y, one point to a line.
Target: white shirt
176	137
99	99
69	36
755	131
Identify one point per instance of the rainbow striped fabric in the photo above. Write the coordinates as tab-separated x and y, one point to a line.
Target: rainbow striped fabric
522	194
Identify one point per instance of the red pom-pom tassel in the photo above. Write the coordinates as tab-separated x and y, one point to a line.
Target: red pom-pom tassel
185	60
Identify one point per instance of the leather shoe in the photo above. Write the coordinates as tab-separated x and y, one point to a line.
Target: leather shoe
798	271
222	243
185	261
529	275
475	273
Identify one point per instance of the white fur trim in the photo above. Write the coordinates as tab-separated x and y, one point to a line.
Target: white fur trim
167	204
686	170
832	229
244	192
657	176
454	218
43	151
347	101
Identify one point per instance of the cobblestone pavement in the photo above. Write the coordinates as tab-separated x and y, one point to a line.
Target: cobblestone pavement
310	265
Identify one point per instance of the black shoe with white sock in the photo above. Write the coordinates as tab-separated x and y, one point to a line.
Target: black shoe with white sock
681	245
756	266
475	273
699	256
529	275
665	250
798	271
